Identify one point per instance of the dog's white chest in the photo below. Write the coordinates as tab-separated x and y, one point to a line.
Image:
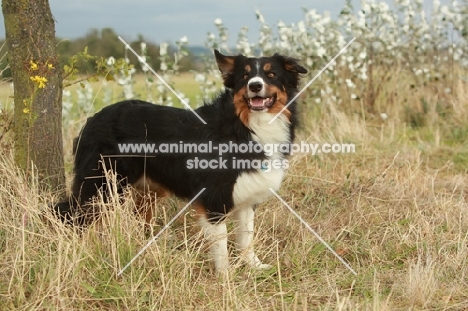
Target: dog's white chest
253	187
277	132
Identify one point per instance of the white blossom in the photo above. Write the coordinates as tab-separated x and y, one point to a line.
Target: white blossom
163	48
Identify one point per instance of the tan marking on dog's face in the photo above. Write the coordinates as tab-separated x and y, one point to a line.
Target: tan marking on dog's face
242	109
280	103
248	68
267	67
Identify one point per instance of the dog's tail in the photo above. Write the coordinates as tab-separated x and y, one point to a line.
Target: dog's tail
63	210
68	213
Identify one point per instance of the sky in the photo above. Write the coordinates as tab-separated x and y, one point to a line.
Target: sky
162	20
168	21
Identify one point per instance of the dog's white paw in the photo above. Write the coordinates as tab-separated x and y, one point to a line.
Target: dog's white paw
263	266
251	259
222	272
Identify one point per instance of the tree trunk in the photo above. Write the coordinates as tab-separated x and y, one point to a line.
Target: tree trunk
30	38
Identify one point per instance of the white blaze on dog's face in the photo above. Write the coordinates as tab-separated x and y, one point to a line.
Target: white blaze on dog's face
260	85
257	97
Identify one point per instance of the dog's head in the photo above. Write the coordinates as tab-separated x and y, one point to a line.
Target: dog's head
260	85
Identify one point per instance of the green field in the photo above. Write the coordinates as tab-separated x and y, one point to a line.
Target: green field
181	82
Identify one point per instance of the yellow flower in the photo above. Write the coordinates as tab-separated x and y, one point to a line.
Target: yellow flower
50	66
25	110
40	81
33	65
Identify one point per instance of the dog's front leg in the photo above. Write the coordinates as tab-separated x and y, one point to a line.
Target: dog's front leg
244	226
216	234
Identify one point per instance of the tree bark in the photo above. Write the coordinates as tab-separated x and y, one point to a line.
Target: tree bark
37	79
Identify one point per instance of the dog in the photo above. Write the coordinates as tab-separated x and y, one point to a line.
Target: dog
256	90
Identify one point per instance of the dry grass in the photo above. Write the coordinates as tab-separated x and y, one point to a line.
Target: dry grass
396	211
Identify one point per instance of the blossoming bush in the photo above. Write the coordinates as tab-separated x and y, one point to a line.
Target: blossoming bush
390	43
397	52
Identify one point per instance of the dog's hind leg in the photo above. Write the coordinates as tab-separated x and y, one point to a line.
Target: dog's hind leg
244	228
76	210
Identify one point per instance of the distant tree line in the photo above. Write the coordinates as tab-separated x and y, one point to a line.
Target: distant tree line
105	43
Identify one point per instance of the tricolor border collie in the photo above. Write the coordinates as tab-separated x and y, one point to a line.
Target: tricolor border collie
256	90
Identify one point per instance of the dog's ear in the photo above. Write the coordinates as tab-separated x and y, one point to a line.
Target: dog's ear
290	64
226	66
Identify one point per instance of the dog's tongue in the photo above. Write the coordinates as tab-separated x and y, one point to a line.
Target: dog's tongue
256	102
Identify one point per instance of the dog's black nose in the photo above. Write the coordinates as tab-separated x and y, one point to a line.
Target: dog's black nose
255	86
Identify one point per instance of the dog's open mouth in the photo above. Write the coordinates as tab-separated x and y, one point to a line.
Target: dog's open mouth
260	103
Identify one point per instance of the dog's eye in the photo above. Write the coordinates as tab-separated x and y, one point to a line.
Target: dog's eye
270	75
246	76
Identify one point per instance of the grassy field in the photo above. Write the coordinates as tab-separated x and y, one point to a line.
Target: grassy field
396	210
